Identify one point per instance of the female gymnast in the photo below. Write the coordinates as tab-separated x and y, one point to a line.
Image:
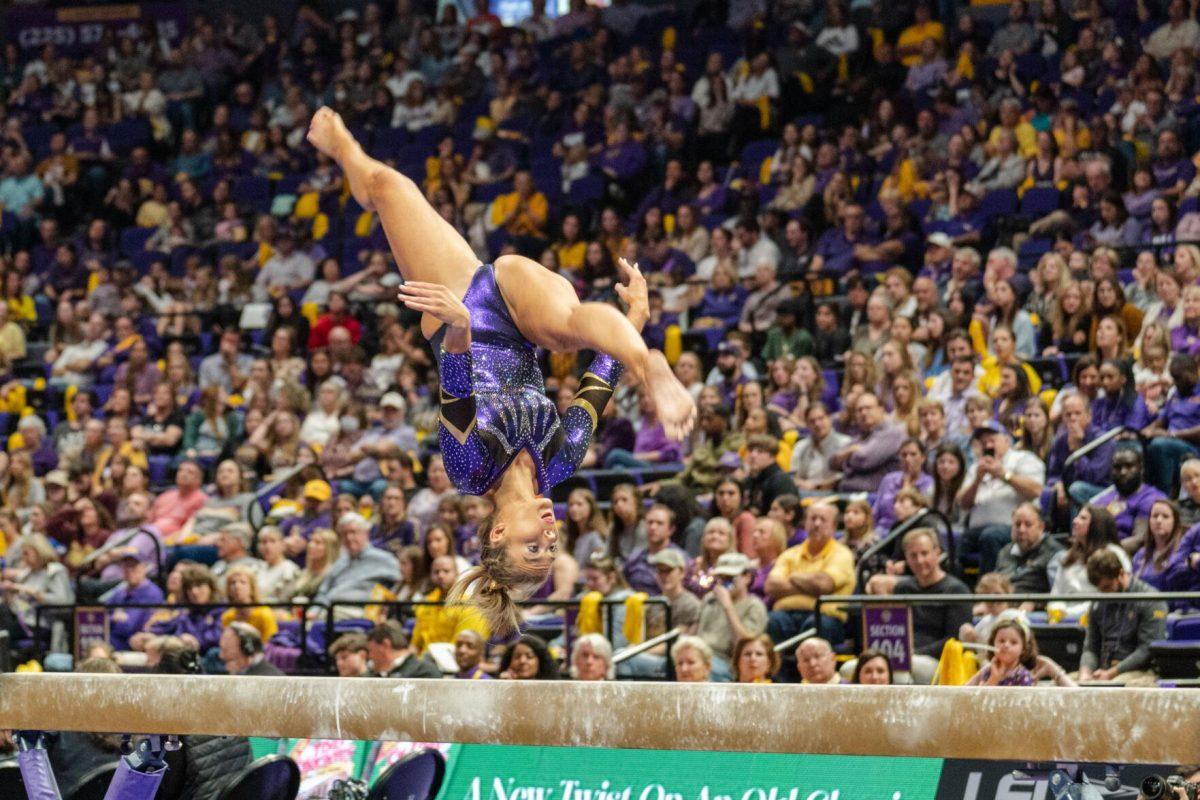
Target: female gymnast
500	434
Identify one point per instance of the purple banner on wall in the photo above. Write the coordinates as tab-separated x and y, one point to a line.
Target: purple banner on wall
888	629
91	628
81	29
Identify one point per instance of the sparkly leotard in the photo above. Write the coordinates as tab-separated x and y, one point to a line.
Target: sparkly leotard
494	403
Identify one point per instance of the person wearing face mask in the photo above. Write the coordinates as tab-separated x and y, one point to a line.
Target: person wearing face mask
335	458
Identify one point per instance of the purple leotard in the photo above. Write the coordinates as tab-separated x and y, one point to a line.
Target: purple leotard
494	403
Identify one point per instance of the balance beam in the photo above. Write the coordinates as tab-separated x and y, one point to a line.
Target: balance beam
1041	724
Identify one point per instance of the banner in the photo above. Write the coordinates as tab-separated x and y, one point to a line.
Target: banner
1011	780
888	629
487	772
75	30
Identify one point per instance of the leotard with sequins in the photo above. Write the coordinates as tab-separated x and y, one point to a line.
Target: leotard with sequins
494	403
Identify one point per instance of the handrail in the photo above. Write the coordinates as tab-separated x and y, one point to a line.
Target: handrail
1096	443
903	528
788	644
265	491
637	649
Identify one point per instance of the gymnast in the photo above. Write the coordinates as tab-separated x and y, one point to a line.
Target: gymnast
499	433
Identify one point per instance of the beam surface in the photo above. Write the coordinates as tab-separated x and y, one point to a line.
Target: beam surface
1042	724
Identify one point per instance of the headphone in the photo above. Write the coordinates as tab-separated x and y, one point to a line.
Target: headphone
249	639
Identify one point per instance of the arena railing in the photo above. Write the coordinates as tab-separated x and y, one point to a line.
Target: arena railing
897	532
47	613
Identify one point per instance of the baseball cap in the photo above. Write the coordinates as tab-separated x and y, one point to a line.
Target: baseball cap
392	400
939	239
732	564
727	347
56	477
729	460
670	557
986	428
318	490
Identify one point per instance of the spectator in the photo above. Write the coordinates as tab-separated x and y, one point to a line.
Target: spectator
756	249
692	658
391	439
874	453
316	513
814	660
134	588
591	658
393	657
233	550
444	623
279	574
353	576
528	658
76	364
994	486
241	650
1128	499
1175	427
872	668
175	508
1027	561
810	457
228	367
1092	530
660	530
818	566
767	480
1117	644
469	649
932	625
729	612
349	654
754	659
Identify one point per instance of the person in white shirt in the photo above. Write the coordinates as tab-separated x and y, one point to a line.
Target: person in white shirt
994	486
810	459
288	269
74	365
324	421
277	579
755	248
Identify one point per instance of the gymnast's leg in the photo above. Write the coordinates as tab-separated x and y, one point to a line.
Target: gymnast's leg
425	246
548	313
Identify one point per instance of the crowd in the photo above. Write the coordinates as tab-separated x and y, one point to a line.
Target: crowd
909	261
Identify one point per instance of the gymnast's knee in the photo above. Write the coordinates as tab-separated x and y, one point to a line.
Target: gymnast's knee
385	183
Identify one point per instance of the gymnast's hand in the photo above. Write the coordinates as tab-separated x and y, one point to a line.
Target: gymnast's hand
632	289
439	302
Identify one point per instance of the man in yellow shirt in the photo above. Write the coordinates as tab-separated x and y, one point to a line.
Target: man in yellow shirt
908	46
444	623
818	566
523	211
1010	118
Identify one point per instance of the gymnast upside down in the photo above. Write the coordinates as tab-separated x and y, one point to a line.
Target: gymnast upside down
500	434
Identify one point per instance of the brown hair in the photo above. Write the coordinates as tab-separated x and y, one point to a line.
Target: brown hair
1029	652
746	641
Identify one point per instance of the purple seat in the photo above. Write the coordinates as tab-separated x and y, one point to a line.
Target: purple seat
417	776
272	777
998	203
1038	201
133	240
160	470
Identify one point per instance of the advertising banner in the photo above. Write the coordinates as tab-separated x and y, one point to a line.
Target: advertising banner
1012	780
485	772
79	29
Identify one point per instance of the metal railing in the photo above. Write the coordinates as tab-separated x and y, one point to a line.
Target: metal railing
898	531
301	614
637	649
1096	444
789	644
860	600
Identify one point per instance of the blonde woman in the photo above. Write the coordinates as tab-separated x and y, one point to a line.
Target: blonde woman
323	549
241	587
716	541
39	580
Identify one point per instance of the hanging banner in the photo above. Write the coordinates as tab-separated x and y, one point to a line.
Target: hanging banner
81	29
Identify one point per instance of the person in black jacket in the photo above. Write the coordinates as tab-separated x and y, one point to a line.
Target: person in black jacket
241	649
393	657
767	481
200	769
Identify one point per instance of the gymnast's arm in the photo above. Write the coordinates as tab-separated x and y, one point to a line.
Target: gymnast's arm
581	418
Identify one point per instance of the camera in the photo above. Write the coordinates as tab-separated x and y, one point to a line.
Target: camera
1156	787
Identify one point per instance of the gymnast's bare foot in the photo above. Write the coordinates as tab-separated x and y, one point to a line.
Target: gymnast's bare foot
328	133
676	408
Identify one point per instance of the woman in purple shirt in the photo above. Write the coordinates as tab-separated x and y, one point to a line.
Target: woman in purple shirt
1162	561
910	475
1186	338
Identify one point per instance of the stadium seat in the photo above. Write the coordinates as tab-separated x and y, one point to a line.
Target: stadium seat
998	203
274	777
133	240
417	776
1038	201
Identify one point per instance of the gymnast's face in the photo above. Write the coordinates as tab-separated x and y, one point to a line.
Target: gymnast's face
530	533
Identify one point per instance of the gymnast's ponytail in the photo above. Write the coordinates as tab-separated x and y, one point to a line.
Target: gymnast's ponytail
495	585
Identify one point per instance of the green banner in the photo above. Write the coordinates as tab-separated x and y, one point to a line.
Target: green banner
485	772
